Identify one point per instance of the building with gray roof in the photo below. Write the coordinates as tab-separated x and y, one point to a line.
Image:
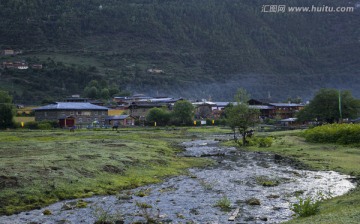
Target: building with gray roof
69	114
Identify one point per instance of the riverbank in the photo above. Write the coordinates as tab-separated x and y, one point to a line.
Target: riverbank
260	186
38	168
343	159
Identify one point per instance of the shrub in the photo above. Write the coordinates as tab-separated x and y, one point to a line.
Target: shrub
31	125
306	207
265	142
224	203
147	212
43	125
259	141
334	133
266	181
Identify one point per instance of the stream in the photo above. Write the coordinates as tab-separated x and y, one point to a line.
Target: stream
261	185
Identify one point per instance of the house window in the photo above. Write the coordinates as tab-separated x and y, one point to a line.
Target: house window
71	112
80	119
45	114
103	113
95	113
78	113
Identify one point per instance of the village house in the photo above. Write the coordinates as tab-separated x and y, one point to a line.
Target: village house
120	121
139	110
70	114
203	109
37	66
267	110
280	110
22	65
8	52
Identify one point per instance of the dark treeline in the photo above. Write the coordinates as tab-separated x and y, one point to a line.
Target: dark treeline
208	41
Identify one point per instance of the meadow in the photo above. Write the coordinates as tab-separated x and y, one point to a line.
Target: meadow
41	167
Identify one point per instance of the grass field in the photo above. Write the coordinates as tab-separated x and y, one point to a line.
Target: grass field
41	167
344	159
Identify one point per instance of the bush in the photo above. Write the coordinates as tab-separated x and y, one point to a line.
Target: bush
224	203
265	142
306	207
260	141
334	133
43	125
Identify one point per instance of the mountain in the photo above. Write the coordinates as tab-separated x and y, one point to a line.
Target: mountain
188	48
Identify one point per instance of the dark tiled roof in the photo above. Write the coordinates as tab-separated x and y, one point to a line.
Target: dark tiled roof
71	106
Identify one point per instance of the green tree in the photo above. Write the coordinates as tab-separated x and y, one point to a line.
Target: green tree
183	112
240	116
6	110
105	94
91	92
159	115
330	105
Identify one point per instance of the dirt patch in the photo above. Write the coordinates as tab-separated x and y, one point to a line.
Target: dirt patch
8	182
115	145
89	156
113	169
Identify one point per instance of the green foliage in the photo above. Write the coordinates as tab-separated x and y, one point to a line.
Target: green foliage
223	203
266	181
159	115
209	41
334	133
6	111
42	125
183	112
240	116
63	165
330	105
104	216
262	142
306	207
100	90
265	142
147	212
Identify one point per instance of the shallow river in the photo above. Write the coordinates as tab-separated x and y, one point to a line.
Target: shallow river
238	177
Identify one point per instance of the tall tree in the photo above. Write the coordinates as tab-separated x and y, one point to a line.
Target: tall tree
240	116
6	110
183	112
330	105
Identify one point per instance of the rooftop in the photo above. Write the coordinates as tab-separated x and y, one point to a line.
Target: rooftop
71	106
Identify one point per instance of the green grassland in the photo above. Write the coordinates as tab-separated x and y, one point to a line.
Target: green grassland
344	159
42	167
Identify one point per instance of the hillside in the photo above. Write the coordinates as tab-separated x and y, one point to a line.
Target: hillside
203	48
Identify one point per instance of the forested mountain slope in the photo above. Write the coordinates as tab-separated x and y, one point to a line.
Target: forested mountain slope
197	48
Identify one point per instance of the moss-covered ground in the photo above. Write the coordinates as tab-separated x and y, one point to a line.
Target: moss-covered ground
41	167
